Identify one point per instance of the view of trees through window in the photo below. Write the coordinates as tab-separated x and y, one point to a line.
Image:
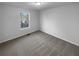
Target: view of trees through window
24	19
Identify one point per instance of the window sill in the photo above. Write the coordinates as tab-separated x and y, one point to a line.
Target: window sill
24	28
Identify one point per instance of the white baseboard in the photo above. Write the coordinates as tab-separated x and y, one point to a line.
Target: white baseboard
17	36
62	38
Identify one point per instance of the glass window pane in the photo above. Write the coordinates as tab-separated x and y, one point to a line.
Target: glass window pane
24	19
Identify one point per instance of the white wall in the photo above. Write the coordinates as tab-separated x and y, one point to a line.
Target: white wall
10	22
62	22
1	16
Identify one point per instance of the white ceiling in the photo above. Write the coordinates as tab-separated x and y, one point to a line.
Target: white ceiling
31	5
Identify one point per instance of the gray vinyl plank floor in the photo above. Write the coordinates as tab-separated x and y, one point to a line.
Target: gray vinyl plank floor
38	44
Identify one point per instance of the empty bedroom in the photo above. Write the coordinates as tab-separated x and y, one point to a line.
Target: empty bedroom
39	28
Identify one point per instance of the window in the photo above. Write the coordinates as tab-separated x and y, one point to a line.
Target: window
24	19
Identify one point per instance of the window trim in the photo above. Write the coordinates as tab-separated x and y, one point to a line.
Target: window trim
29	21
